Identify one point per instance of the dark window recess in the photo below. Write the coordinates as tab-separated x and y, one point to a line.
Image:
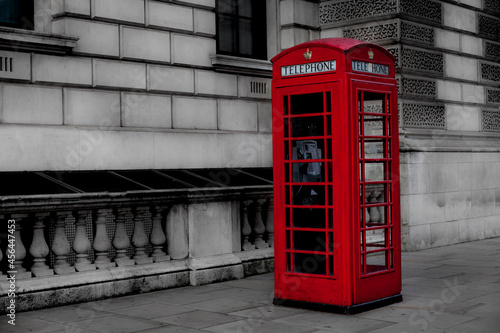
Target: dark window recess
17	14
60	182
241	28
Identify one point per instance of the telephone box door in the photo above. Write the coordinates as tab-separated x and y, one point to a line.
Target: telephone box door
377	255
307	231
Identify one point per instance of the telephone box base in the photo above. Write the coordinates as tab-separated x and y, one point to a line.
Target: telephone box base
348	310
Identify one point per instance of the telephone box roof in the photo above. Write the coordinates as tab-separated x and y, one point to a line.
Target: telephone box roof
344	45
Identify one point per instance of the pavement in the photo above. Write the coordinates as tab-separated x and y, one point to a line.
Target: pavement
448	289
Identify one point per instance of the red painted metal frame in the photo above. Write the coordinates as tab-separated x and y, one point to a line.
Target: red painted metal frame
345	285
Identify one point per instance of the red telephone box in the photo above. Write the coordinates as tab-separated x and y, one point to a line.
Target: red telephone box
336	176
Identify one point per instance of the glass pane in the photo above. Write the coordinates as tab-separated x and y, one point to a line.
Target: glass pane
330	265
9	11
288	239
307	103
227	34
307	149
376	262
285	105
375	171
309	218
309	241
287	217
309	263
373	102
245	37
245	8
375	239
307	126
373	126
308	172
330	242
330	218
287	150
328	101
288	264
227	6
308	195
374	148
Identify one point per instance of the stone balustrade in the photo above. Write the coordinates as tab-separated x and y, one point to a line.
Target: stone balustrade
85	238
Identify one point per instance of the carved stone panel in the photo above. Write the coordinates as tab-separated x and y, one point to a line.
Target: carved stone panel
490	120
424	88
492	50
426	9
348	10
421	60
493	96
492	5
490	72
416	32
420	115
373	32
489	26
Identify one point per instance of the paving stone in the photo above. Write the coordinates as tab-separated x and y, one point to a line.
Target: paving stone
478	325
252	325
269	312
221	305
334	322
151	310
114	324
197	319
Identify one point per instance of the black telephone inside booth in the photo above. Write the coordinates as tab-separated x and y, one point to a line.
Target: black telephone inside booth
307	171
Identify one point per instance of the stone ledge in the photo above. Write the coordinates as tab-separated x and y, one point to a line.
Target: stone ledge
230	64
27	40
94	277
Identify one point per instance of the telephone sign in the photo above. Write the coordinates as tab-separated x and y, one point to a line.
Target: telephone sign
336	176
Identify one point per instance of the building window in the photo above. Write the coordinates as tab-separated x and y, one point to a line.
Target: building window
241	28
17	14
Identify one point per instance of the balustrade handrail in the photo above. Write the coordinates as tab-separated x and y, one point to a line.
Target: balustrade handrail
95	200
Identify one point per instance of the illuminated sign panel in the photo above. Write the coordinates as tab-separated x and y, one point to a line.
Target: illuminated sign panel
312	68
368	67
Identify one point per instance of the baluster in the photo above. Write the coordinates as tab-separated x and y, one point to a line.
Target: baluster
19	248
139	238
270	222
102	244
157	237
374	214
60	245
39	248
81	244
259	227
381	209
246	230
121	241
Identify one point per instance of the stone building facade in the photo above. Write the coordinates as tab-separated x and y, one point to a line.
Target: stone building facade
120	85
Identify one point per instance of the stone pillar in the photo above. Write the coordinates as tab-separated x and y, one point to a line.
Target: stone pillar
270	222
102	244
81	244
121	241
60	245
259	227
157	237
39	248
246	230
139	238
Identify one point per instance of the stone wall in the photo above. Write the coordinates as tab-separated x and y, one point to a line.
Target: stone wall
137	88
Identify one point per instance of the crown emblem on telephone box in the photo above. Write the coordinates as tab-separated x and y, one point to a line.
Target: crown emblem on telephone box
370	54
307	54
